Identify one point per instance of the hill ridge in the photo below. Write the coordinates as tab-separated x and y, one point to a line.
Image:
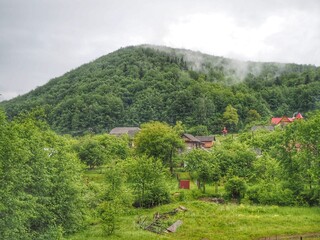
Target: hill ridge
137	84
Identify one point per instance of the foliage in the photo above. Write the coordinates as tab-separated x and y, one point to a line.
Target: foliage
147	179
253	115
40	184
200	130
203	166
160	141
96	150
235	188
299	156
234	158
139	84
223	221
109	213
230	118
91	152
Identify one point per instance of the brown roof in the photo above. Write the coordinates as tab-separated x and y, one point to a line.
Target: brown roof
131	131
205	138
191	137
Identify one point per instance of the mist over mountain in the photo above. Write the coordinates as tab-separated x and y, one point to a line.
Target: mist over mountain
138	84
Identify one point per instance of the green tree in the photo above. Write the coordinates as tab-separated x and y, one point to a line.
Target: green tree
160	141
147	179
230	118
266	184
203	167
91	152
299	154
114	147
40	181
199	130
253	115
234	158
235	188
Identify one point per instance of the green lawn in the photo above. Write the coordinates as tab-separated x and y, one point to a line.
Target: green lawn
205	220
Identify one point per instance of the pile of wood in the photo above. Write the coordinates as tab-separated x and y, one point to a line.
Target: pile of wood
158	224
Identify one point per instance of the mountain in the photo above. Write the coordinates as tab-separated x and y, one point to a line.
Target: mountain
141	83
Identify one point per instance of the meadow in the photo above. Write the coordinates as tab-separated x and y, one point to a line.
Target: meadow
204	220
209	220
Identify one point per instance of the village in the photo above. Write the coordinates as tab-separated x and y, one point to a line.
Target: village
205	143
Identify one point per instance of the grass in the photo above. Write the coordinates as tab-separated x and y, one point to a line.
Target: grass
205	220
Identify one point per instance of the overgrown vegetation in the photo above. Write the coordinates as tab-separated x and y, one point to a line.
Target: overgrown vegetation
43	196
40	181
248	185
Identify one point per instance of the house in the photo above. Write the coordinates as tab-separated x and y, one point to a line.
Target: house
191	141
281	120
206	141
130	131
285	120
198	141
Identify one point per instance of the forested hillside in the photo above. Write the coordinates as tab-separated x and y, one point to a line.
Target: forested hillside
134	85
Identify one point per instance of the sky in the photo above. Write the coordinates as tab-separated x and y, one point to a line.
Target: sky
43	39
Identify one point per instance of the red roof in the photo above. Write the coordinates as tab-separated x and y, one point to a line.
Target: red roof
275	121
299	116
278	120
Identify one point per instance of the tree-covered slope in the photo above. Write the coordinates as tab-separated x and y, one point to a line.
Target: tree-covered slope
137	84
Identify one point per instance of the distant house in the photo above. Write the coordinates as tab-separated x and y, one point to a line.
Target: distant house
206	141
130	131
285	120
198	141
190	141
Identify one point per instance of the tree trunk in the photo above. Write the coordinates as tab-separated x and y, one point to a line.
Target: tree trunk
171	162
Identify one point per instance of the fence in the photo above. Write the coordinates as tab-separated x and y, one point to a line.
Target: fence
308	236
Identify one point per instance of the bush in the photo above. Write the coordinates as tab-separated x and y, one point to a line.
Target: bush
235	188
155	196
270	194
108	213
147	178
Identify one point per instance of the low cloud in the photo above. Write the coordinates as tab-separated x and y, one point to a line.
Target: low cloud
285	37
40	40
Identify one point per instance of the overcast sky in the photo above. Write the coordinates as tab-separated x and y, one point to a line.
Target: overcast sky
43	39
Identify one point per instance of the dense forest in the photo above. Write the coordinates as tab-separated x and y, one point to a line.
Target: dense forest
134	85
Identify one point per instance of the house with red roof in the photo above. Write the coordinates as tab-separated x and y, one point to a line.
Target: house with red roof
285	120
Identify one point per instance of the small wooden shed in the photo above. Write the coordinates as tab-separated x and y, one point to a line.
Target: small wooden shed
184	184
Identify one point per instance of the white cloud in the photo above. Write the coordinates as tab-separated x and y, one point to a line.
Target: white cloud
40	40
286	36
220	34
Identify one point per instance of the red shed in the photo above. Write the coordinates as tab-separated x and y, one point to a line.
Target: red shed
185	184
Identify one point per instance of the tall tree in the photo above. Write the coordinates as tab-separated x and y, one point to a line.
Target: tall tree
40	181
203	167
147	178
230	117
158	140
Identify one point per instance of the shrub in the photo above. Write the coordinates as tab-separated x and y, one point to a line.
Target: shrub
235	188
